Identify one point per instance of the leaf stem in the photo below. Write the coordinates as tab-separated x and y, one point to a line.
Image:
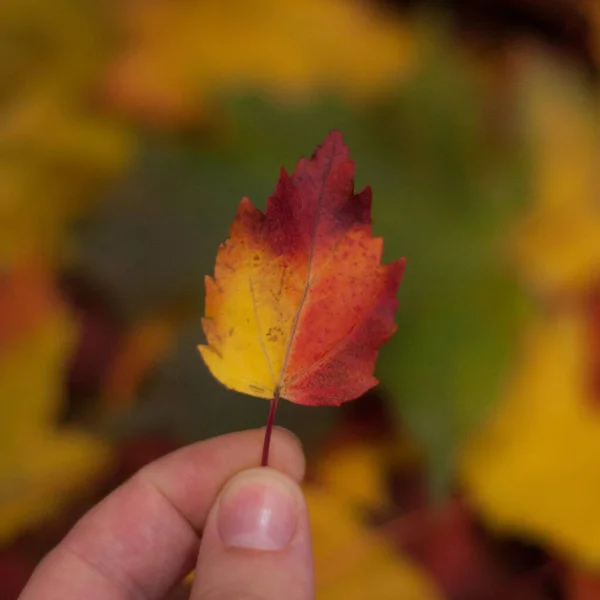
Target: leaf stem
271	419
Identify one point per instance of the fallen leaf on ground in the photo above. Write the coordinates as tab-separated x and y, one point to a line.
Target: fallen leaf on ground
558	243
352	561
142	348
41	465
533	470
27	296
164	75
356	474
54	148
581	585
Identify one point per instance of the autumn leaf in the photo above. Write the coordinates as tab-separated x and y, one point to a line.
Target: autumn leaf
26	297
300	302
41	465
581	584
354	561
54	147
532	468
140	350
356	474
558	240
164	76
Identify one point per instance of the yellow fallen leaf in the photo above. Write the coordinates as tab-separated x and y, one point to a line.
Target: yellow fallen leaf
40	465
355	474
54	150
558	242
179	56
533	469
352	561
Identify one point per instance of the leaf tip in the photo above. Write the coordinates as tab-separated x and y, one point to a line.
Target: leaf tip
332	146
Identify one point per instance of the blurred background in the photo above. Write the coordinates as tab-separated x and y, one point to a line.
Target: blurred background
130	130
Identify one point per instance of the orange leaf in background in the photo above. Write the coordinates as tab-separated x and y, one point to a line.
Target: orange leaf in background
43	465
300	302
27	297
139	352
355	561
581	584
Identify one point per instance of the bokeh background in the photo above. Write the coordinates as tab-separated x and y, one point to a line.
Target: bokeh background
130	130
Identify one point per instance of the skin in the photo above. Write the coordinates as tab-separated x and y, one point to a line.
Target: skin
244	530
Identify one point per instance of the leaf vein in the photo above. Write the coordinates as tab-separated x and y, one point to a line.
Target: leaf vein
308	273
259	330
334	348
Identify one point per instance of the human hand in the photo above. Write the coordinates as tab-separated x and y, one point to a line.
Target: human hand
244	529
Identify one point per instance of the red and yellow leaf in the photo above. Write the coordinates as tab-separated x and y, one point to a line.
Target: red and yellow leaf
300	302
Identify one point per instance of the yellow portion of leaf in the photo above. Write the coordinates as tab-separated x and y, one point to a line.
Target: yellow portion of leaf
251	308
40	466
288	48
246	306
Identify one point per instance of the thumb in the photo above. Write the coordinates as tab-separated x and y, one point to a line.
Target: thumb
256	544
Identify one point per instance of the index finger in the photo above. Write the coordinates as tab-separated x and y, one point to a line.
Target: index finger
143	538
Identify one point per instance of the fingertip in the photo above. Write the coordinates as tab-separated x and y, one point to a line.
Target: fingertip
257	540
259	509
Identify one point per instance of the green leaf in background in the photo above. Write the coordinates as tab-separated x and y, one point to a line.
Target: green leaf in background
461	304
152	239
